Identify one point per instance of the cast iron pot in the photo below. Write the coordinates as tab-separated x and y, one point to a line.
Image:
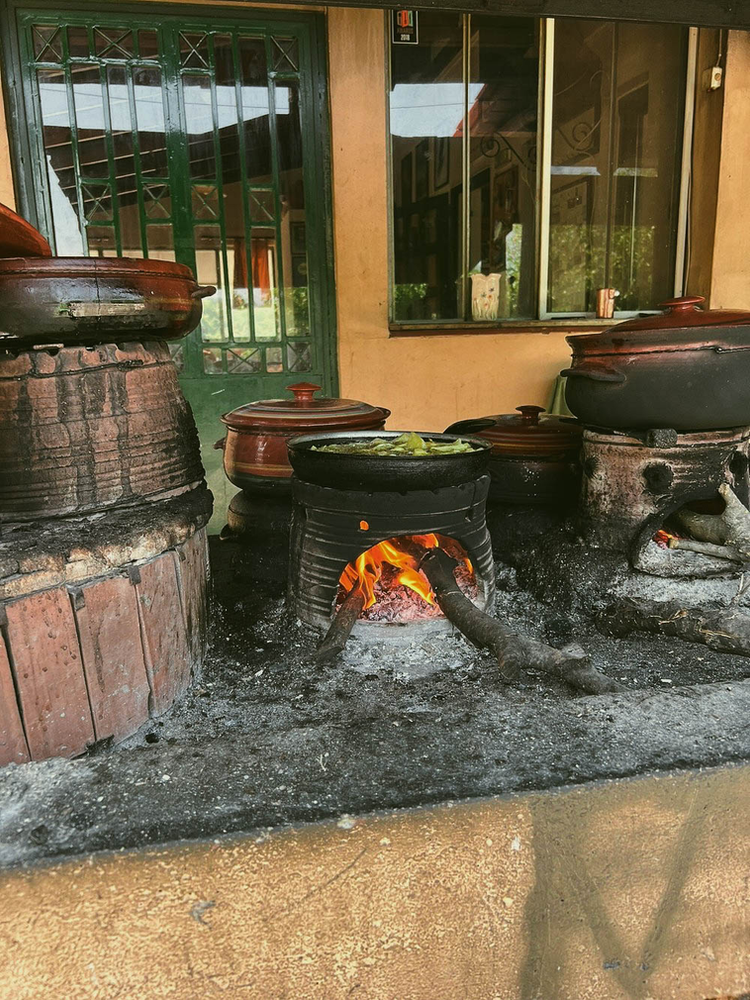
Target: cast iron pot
534	458
387	473
255	446
688	369
94	300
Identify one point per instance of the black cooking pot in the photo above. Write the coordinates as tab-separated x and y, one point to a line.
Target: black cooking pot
687	369
386	473
534	455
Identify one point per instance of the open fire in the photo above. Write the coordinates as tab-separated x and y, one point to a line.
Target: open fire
389	577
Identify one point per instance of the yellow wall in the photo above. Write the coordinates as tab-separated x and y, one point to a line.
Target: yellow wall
625	890
428	382
731	264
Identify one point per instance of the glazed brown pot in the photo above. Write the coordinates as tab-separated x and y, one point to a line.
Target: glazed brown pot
534	456
83	429
255	446
90	300
687	369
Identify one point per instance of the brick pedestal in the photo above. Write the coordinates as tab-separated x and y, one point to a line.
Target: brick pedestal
103	624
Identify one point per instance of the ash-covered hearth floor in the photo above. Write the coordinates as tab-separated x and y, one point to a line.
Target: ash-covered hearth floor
267	737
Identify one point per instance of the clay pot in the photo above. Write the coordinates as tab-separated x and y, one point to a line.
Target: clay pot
687	369
94	300
534	457
255	446
83	429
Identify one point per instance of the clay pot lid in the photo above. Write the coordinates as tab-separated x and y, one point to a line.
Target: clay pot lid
18	238
83	267
682	313
306	412
525	433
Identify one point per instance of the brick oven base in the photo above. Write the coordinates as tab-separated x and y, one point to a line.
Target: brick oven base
103	624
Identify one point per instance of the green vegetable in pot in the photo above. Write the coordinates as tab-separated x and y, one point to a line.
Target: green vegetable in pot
408	445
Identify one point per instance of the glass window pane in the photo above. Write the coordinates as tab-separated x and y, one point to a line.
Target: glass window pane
426	122
265	287
89	107
618	98
149	111
78	42
209	270
200	126
503	96
252	57
292	197
58	151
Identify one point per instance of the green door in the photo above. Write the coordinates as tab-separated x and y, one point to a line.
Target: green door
198	138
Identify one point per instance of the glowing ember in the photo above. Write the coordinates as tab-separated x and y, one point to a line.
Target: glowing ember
664	538
395	589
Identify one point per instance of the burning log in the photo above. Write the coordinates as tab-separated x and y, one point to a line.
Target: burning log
724	629
513	652
341	626
707	549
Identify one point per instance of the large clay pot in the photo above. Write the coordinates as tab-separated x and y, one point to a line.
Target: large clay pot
94	300
255	447
83	429
687	369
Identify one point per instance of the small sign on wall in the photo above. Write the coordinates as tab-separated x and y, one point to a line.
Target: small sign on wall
404	30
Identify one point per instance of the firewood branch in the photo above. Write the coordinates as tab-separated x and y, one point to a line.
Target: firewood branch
335	640
731	528
724	629
513	652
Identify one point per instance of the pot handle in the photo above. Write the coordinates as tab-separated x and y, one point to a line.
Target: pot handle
683	304
597	373
470	426
303	392
219	445
202	291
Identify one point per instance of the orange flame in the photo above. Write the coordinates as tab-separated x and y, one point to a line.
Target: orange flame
400	553
368	568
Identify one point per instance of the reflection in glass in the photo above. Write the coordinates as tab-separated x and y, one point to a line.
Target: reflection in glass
426	121
616	136
57	139
292	198
209	270
199	120
502	155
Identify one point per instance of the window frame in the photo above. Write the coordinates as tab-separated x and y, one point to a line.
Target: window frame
544	321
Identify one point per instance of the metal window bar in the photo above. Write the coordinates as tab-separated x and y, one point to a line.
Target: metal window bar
544	160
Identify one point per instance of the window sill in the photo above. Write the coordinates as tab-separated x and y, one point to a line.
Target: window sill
575	325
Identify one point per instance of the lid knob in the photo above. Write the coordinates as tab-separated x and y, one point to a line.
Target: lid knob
529	413
303	392
686	303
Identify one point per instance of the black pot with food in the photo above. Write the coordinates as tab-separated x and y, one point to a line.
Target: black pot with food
687	369
534	456
387	461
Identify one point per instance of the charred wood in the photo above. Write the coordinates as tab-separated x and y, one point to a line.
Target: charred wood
341	626
723	629
513	652
730	528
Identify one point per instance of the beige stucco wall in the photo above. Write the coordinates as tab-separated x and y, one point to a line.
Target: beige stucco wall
730	285
630	890
427	382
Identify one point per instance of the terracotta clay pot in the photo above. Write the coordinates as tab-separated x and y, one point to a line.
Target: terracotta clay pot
687	369
534	455
255	446
83	429
94	300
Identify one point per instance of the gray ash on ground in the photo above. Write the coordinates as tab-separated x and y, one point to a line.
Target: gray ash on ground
268	737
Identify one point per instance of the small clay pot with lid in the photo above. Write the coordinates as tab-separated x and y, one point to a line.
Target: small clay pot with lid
255	452
534	455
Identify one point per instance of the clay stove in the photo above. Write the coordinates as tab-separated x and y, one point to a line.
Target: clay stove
634	482
331	528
